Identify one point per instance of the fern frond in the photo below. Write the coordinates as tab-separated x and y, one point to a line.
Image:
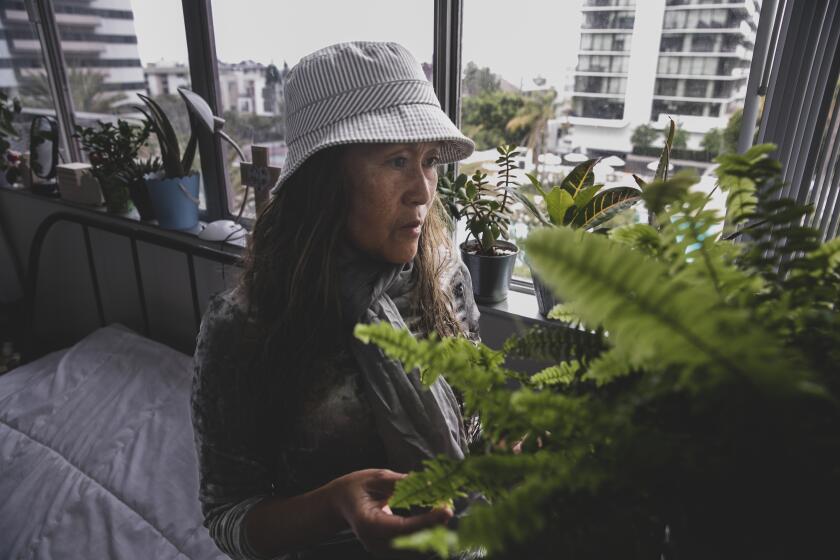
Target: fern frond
556	344
654	320
439	540
564	312
641	237
607	367
443	479
561	374
433	356
659	194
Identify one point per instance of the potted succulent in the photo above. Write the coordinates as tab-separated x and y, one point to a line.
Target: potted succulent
486	209
578	203
174	189
112	149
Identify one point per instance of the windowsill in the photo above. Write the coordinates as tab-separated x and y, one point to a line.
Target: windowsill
233	246
520	304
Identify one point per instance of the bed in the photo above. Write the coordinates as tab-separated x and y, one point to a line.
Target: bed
97	458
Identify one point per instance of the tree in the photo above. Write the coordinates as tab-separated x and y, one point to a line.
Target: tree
532	119
86	86
712	141
732	131
485	117
643	136
479	80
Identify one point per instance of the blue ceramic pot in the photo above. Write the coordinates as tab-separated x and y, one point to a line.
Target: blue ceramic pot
175	201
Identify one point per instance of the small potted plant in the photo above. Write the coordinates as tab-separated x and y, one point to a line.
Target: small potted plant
578	203
134	176
10	159
174	188
487	210
112	149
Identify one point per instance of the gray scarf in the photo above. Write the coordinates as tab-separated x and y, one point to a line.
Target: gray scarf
415	423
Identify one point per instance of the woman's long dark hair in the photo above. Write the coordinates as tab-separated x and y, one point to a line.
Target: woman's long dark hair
290	272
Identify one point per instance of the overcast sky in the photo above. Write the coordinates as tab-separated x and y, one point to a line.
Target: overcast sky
519	40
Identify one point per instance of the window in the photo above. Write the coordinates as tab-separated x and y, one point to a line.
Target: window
253	65
696	88
22	73
599	84
603	63
672	43
665	86
608	20
598	108
702	42
113	54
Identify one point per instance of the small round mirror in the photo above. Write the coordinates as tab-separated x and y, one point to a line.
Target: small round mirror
43	147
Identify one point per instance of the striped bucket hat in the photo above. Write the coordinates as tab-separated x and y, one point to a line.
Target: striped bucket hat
363	92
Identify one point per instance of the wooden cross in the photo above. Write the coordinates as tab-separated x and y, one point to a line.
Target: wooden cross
260	175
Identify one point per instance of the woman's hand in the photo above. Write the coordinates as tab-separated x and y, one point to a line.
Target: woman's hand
361	498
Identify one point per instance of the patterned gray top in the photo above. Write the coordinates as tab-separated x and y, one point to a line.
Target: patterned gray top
335	433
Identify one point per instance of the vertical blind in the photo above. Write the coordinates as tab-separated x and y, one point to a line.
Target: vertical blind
801	110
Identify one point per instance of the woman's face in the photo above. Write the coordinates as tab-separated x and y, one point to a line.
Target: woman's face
392	187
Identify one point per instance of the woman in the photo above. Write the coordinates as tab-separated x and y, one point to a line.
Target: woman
302	430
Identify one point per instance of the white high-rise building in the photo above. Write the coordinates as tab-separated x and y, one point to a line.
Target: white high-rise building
641	62
98	42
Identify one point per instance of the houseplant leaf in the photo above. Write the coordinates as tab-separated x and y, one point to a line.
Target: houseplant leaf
530	206
604	206
579	178
665	158
558	201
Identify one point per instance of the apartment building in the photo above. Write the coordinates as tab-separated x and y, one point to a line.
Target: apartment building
641	62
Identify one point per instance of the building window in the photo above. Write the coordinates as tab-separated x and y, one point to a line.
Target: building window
702	42
608	20
672	43
603	63
666	86
696	88
600	84
598	108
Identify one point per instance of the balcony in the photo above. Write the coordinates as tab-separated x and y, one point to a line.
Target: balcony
70	20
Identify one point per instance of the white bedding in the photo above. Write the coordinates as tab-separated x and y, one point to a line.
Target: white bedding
96	454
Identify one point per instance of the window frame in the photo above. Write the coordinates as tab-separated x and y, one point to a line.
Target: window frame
203	65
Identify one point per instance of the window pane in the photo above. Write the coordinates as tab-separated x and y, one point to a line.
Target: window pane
22	76
118	49
602	97
253	64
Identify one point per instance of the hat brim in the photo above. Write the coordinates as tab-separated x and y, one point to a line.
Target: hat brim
417	122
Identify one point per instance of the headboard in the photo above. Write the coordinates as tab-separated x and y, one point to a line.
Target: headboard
135	235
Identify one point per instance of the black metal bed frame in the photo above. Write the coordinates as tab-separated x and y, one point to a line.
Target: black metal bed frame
134	234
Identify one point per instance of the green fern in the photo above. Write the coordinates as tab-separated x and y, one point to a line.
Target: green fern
563	373
556	344
701	401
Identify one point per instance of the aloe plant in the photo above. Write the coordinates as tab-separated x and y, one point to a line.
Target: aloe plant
174	165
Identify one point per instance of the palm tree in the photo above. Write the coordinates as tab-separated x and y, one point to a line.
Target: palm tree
533	118
86	87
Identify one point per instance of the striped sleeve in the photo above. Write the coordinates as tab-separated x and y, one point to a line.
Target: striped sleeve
235	468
